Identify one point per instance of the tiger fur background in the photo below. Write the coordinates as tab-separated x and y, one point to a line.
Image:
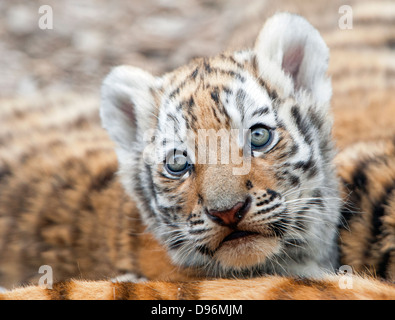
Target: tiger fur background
76	172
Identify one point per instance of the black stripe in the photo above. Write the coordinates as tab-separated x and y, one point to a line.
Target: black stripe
312	172
99	182
271	93
191	102
261	203
263	211
383	265
194	73
215	115
198	231
151	184
215	96
346	213
307	166
315	118
59	291
176	243
317	195
378	212
273	195
254	63
124	291
166	189
193	223
15	207
168	222
302	124
294	180
280	175
180	106
183	82
300	223
260	112
294	243
357	187
227	90
279	227
206	66
359	178
204	250
238	64
294	150
174	93
4	173
173	118
230	73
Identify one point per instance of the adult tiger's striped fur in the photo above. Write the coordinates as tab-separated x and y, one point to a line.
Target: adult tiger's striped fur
264	288
367	171
63	206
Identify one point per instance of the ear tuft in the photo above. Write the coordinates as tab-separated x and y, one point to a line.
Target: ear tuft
294	45
128	105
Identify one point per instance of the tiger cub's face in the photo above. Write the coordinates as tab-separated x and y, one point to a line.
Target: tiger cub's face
229	158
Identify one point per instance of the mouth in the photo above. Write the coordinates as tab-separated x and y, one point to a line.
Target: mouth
238	235
243	249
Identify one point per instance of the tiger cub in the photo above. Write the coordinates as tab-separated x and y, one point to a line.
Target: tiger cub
230	165
263	201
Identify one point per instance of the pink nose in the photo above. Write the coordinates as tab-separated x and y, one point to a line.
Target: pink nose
230	217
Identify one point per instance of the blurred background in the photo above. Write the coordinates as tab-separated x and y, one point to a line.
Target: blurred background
92	36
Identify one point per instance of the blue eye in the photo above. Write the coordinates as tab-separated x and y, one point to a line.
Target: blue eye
177	163
260	136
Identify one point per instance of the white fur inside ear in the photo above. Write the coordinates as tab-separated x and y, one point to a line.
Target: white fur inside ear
296	47
128	106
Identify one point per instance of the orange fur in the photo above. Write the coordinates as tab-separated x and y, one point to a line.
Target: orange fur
268	288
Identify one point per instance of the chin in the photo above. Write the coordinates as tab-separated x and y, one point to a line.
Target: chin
246	252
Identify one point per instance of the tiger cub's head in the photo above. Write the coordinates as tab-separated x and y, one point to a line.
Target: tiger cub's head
229	158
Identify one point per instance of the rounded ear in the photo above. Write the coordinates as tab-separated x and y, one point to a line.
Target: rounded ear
296	47
128	105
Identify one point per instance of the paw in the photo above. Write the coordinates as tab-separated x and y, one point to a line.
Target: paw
129	277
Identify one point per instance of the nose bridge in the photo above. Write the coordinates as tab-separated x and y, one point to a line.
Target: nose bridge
221	189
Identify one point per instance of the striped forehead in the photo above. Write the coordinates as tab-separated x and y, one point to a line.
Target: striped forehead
214	96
